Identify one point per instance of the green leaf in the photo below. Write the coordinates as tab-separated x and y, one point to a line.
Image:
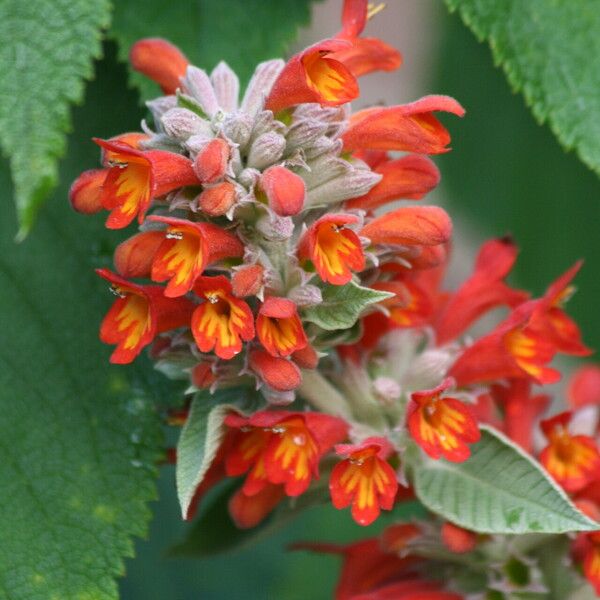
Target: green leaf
201	436
342	305
240	32
47	50
550	51
499	489
79	445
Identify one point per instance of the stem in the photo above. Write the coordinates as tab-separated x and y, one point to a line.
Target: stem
322	395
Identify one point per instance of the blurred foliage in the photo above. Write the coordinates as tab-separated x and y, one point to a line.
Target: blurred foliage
507	174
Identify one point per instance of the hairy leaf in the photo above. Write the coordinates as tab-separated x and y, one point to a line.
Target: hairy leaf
47	50
242	33
550	51
342	305
79	443
499	489
201	436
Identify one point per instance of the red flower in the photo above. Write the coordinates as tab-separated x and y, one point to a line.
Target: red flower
457	539
365	55
334	249
138	314
442	425
584	387
222	321
524	343
160	61
591	560
279	328
137	177
248	511
186	250
410	226
313	76
211	162
409	178
86	191
573	460
278	373
134	256
410	307
482	291
408	127
280	447
364	479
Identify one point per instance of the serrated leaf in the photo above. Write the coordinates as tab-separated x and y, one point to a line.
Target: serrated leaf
499	489
201	436
342	305
46	52
79	444
550	51
209	31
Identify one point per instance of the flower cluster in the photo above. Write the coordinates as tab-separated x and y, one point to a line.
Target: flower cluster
264	263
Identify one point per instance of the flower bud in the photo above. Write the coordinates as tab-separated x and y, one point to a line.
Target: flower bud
356	182
226	85
265	150
306	358
306	295
211	162
275	228
261	83
247	280
278	373
457	539
237	128
197	84
217	199
387	390
182	123
160	61
159	106
203	376
86	191
284	189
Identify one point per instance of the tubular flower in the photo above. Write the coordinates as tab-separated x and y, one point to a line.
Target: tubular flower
410	177
280	374
137	177
457	539
279	327
248	511
86	191
313	76
280	447
584	387
408	127
410	307
591	561
134	256
186	249
285	191
364	479
365	55
160	61
573	460
443	426
222	321
334	249
137	315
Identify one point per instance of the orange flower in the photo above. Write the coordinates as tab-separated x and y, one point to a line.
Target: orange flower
279	328
364	479
364	55
441	425
137	315
160	61
408	127
410	307
280	447
457	539
187	249
222	321
591	560
86	191
334	249
573	460
313	76
278	373
137	177
409	178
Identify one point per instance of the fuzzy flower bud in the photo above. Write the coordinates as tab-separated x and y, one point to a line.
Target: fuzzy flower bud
182	123
211	161
217	199
265	150
247	281
284	189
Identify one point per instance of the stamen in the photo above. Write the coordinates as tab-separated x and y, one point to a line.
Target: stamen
117	291
356	461
278	429
374	9
174	235
117	163
338	228
212	297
